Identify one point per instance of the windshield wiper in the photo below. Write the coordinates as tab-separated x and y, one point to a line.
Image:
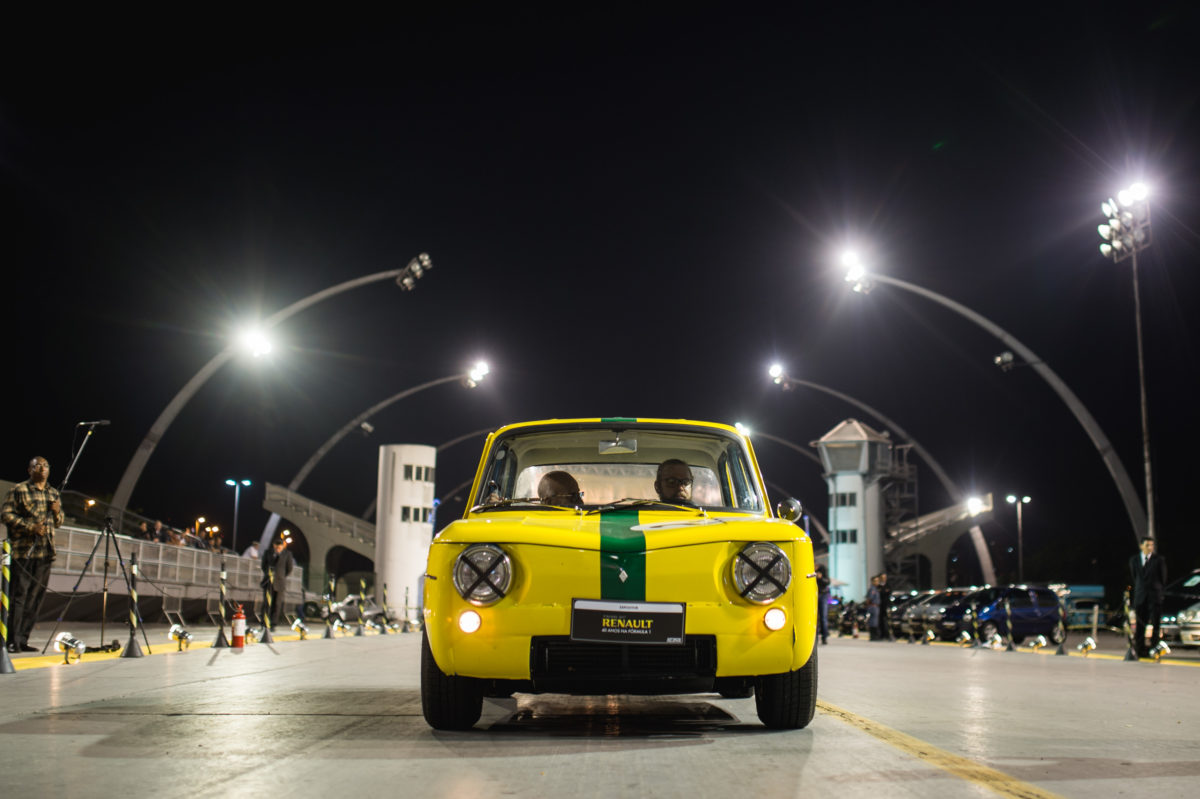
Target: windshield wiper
630	502
517	502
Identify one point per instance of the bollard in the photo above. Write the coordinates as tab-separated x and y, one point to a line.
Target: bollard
975	643
1008	627
266	637
222	642
132	650
1062	627
383	613
362	590
1131	652
1095	619
328	598
6	666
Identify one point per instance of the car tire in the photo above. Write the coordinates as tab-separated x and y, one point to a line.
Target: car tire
448	703
1058	634
988	630
312	610
788	701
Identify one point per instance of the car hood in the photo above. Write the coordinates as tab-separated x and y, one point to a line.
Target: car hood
657	529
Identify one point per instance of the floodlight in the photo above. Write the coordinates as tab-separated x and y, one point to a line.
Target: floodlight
71	647
178	633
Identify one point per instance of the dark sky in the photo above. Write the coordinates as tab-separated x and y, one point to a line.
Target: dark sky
629	214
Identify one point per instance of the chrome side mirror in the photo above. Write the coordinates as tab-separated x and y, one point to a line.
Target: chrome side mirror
790	509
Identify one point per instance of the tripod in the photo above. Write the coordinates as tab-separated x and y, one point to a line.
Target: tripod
109	537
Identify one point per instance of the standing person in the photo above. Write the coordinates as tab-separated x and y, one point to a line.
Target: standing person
1149	574
823	603
276	566
873	608
885	609
31	512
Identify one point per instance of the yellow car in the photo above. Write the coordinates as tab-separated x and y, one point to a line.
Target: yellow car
620	556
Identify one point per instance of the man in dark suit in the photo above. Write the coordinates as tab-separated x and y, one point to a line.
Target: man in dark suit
1149	574
276	566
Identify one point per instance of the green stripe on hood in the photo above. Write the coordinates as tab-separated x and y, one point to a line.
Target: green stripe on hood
622	552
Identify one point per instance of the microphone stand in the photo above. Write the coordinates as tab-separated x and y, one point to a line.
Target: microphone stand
91	426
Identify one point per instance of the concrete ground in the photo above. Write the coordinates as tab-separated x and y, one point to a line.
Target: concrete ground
343	717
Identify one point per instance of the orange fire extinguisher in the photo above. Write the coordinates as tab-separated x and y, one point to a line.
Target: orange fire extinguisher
239	629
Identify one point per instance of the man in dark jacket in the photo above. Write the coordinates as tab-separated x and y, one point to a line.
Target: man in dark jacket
276	566
1148	572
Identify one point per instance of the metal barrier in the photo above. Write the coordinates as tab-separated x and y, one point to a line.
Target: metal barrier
164	568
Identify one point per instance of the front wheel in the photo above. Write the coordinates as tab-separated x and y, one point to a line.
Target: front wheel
448	703
788	701
1058	634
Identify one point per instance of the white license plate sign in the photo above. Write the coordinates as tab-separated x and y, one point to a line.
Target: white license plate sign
627	622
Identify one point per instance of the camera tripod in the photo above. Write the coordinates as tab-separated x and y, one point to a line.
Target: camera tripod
109	537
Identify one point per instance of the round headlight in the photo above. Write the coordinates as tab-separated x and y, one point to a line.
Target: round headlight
482	574
761	572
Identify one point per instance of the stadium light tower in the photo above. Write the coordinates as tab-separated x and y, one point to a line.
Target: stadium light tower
1125	234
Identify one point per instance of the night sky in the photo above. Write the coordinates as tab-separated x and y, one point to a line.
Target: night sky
629	214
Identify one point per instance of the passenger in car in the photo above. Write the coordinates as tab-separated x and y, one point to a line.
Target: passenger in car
559	488
674	482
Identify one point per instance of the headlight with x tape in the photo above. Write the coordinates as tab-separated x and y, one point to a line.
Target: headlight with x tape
483	574
761	572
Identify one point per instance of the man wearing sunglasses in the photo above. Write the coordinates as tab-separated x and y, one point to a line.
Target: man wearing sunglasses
674	482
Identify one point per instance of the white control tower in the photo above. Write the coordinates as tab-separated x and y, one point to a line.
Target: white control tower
857	458
403	525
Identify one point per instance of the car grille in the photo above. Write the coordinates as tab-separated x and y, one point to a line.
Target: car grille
558	657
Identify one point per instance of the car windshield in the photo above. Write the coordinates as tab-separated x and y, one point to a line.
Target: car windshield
1188	585
619	465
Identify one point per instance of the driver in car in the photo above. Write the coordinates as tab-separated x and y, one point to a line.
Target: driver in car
674	482
559	488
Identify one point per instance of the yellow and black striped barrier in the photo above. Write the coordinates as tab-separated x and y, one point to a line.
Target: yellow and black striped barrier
6	666
132	649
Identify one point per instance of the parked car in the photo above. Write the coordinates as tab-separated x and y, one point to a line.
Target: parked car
900	603
932	611
912	618
1035	611
1180	617
629	584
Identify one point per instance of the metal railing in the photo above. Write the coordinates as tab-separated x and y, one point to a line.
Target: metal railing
193	573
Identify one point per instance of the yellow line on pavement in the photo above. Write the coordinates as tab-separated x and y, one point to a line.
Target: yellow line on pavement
961	767
167	648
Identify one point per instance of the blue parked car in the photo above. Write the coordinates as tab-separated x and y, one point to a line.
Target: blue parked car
1035	611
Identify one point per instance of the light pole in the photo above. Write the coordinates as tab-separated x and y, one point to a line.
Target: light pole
785	381
237	495
405	278
862	282
1125	234
469	379
1013	499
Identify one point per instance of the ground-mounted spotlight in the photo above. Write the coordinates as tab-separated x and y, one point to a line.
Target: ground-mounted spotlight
996	641
1039	642
339	625
71	647
254	635
930	636
300	627
1160	651
965	638
182	636
1088	645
